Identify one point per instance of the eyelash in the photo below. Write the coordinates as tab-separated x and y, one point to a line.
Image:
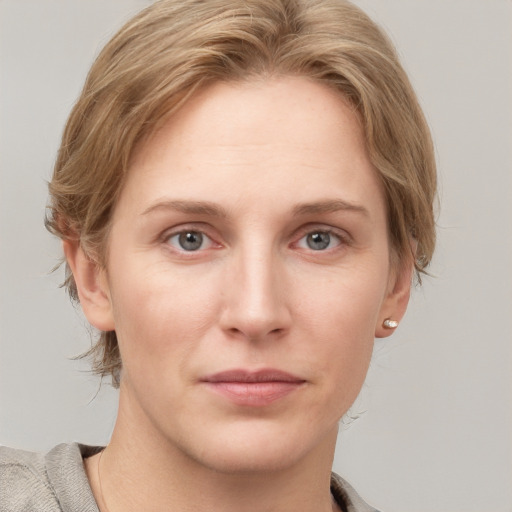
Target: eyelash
322	231
341	239
168	236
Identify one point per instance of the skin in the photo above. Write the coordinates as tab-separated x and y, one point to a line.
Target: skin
263	171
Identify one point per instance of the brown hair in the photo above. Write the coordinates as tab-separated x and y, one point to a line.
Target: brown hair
172	48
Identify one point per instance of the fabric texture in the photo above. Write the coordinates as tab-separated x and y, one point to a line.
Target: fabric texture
56	482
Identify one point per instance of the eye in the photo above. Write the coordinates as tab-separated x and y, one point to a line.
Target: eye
190	241
319	241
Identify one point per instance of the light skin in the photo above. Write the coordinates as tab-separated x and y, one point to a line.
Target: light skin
250	236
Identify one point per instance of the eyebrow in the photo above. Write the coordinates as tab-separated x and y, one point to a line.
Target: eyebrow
190	207
329	206
214	210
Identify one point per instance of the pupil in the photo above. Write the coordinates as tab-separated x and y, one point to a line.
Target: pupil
191	241
318	241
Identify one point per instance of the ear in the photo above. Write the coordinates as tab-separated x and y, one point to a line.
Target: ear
92	286
397	298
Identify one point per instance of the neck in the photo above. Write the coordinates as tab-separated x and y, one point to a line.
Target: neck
140	470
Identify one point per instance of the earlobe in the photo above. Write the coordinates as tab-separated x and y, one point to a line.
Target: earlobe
92	286
396	301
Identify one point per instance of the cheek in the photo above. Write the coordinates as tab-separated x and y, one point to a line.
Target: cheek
159	314
345	302
341	316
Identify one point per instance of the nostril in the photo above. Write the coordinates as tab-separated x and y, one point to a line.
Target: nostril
253	335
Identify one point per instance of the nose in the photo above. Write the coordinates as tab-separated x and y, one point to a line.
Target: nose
256	296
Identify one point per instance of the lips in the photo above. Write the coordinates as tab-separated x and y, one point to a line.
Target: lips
255	389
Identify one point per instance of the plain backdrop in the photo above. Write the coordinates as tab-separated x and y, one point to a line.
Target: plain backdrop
435	426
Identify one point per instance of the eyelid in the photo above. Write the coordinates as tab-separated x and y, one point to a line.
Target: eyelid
206	241
200	227
323	228
206	230
343	236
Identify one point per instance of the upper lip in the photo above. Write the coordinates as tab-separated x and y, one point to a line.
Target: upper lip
248	376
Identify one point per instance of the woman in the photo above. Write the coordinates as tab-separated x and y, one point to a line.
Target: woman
244	192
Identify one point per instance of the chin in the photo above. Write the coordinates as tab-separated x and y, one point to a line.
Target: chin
235	460
261	449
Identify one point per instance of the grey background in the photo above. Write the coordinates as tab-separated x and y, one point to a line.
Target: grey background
437	431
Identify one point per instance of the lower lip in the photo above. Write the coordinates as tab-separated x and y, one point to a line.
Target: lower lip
255	394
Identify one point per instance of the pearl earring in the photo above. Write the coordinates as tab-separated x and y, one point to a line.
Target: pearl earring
390	324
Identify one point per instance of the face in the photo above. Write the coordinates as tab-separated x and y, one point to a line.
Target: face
247	275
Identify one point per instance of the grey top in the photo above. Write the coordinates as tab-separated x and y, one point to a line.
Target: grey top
56	482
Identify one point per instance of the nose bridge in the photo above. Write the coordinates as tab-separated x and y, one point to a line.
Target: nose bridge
255	303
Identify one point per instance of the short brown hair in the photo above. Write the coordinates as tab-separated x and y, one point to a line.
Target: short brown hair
174	47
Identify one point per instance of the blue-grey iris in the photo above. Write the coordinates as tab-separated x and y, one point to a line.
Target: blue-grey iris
191	240
318	241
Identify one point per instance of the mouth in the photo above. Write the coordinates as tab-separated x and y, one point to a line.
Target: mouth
251	388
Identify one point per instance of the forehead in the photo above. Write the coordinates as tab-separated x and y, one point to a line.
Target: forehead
254	112
289	138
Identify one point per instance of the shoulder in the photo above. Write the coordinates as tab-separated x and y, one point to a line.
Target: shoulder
51	482
24	482
347	497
